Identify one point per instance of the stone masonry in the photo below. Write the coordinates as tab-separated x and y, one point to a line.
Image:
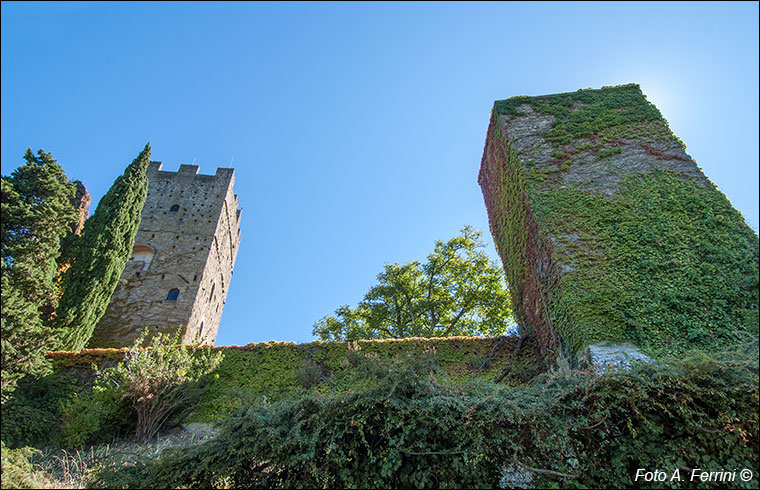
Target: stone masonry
609	231
182	260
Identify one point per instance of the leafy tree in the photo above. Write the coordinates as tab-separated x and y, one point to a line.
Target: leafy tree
37	213
159	378
458	291
99	256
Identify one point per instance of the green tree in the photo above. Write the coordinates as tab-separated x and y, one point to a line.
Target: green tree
458	291
37	213
99	256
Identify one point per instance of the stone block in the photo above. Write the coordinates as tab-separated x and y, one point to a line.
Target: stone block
608	230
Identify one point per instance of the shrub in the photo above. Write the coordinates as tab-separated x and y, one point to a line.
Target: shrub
32	415
18	471
100	415
405	431
159	378
309	374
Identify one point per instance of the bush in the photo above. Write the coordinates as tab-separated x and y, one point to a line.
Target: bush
405	431
159	378
309	374
18	471
100	415
32	415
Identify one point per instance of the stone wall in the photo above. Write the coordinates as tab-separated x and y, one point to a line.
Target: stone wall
283	370
609	231
182	263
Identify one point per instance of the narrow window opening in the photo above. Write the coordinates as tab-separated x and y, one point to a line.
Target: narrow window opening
173	295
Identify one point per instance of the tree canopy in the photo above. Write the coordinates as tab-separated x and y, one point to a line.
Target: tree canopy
37	213
458	291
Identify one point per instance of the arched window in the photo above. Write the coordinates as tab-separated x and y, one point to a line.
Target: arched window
173	295
174	208
144	254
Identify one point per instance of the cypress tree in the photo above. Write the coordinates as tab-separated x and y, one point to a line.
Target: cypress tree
37	211
100	254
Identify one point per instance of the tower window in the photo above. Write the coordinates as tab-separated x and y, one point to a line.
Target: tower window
144	254
174	208
173	295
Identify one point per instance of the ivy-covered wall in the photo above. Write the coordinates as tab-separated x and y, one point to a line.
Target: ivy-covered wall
608	230
274	371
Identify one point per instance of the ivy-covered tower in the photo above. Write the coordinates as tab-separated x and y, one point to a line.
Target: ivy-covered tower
182	260
609	231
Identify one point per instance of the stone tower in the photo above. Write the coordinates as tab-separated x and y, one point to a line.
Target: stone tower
609	232
181	265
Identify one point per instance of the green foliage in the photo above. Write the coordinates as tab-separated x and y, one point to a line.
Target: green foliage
283	371
558	154
95	416
37	212
157	379
659	259
270	370
458	291
99	257
32	414
17	469
612	112
666	263
309	374
608	152
406	431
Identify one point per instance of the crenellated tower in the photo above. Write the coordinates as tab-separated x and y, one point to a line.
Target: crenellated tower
182	260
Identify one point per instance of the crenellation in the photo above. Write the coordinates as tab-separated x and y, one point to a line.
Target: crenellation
184	253
188	169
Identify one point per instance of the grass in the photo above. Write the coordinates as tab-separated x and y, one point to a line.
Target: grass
59	468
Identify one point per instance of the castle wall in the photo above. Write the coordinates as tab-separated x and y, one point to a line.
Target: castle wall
609	231
282	370
187	241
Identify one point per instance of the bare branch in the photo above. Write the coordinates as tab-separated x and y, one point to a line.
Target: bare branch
545	472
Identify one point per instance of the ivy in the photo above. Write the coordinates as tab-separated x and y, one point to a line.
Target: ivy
608	152
612	112
658	258
406	431
276	371
665	263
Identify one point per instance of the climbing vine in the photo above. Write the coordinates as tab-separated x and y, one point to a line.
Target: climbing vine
606	114
272	371
666	263
655	255
406	431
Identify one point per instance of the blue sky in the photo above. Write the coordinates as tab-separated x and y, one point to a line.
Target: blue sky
356	129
